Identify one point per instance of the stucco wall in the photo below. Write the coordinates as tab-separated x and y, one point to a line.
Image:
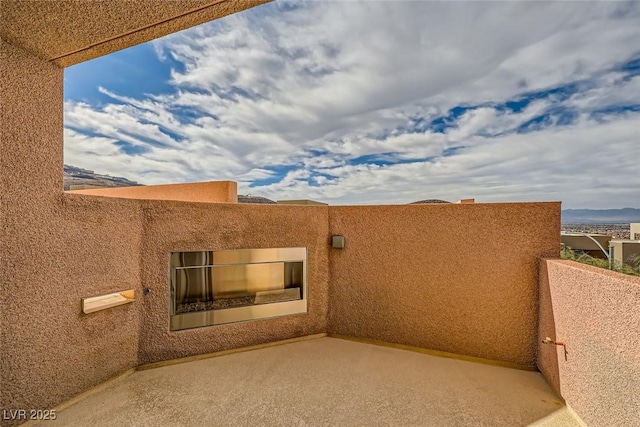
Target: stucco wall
174	226
58	248
595	312
460	278
212	192
55	250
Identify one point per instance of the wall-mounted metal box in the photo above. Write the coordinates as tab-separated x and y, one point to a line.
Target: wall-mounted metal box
217	287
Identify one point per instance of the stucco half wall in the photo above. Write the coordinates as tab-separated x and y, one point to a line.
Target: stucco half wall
212	192
461	278
174	226
55	250
477	260
596	314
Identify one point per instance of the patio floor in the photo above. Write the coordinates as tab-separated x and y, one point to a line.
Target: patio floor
321	382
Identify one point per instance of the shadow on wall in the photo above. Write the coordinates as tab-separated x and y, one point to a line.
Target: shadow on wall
547	358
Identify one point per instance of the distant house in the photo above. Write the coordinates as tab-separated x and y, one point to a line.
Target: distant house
625	250
585	243
428	202
302	202
254	199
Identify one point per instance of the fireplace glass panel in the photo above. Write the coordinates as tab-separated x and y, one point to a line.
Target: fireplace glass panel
218	287
242	279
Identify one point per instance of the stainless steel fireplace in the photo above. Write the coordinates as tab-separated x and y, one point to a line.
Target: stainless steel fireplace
217	287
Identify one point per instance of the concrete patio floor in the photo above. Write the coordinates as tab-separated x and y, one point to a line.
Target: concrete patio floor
321	382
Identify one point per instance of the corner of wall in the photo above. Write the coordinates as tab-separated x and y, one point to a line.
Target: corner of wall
546	357
594	313
56	249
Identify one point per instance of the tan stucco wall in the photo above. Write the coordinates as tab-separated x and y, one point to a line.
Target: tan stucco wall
58	248
390	282
212	192
595	313
55	250
460	278
173	226
634	229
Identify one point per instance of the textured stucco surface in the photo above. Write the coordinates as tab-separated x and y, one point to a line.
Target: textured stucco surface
56	249
211	192
72	31
595	312
461	278
59	247
174	226
324	382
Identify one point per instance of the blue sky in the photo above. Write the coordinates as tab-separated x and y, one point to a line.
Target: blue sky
376	102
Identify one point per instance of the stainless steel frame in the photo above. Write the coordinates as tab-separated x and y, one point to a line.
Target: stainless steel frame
263	272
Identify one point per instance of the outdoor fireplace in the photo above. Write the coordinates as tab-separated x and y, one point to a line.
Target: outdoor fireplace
217	287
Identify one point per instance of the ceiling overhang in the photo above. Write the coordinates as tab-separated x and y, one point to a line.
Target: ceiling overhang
67	32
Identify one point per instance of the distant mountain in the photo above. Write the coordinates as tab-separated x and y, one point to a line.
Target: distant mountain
600	216
77	176
74	175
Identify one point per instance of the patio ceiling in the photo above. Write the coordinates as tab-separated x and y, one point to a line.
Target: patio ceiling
71	31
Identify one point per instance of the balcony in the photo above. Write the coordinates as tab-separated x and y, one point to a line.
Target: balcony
324	381
473	282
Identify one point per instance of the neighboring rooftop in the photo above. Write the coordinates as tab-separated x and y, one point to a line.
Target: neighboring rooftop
579	234
248	198
428	201
617	231
302	202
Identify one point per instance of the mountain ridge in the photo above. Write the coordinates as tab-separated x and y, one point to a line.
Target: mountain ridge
78	176
600	216
74	175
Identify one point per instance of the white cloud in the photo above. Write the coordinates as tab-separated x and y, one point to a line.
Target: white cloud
572	163
345	79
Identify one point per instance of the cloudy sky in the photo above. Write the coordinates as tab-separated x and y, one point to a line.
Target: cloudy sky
376	102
